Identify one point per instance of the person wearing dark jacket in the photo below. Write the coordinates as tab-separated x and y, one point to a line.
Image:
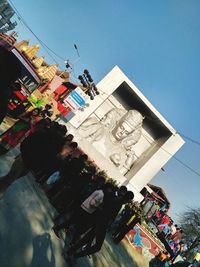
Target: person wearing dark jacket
69	170
126	227
76	192
111	206
39	152
125	216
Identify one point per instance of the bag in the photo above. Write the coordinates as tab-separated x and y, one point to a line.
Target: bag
53	178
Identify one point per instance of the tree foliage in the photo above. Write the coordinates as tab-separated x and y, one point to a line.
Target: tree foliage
190	223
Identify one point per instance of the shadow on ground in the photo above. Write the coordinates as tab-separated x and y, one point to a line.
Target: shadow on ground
114	255
26	239
43	254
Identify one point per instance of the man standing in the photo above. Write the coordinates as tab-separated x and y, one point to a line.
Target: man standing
84	216
108	212
126	227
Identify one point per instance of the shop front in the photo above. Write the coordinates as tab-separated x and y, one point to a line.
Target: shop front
28	80
144	242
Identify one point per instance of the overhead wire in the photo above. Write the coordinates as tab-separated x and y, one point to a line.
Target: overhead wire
58	56
181	134
46	48
189	139
177	159
170	175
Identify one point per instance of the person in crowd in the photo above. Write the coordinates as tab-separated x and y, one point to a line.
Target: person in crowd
69	138
10	71
111	206
61	129
39	152
165	228
70	168
97	230
92	182
75	192
172	230
178	235
127	225
84	215
124	217
47	111
16	107
22	128
68	150
157	217
155	208
165	219
47	124
159	260
178	248
124	197
156	261
43	124
121	191
75	167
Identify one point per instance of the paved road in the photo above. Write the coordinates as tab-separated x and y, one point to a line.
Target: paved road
26	238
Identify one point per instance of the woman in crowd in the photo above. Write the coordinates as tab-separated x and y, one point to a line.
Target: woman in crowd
22	128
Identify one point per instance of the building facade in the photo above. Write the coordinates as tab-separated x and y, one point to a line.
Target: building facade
6	14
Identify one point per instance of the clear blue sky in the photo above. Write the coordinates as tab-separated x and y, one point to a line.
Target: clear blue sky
156	43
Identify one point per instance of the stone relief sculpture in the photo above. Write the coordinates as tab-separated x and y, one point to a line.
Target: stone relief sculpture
115	135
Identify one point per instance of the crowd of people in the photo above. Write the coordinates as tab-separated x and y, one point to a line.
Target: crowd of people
156	213
172	235
86	203
161	260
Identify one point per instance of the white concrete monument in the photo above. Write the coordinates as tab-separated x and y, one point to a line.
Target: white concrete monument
124	134
115	135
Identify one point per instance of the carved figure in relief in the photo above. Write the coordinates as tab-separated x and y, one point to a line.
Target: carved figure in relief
115	135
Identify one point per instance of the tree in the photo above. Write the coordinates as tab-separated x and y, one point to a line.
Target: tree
190	223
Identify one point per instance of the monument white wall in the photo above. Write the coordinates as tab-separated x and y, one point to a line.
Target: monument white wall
157	144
